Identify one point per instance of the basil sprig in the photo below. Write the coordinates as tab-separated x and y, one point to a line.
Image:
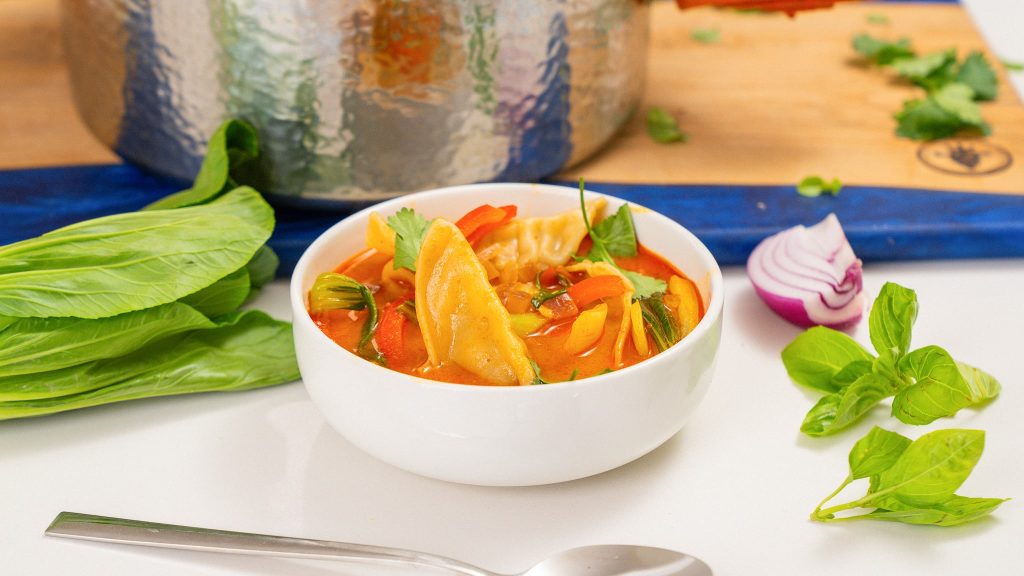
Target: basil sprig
913	482
926	384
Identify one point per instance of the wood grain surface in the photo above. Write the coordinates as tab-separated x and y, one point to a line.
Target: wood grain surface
777	99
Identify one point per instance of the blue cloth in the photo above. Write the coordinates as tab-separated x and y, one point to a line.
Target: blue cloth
883	224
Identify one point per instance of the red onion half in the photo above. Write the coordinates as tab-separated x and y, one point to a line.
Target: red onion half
809	276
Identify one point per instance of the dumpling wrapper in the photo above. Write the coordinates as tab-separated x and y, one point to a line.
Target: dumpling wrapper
459	313
545	240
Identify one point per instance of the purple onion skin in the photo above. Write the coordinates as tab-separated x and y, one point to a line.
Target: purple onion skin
793	310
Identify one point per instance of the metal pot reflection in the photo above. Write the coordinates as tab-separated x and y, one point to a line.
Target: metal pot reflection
358	101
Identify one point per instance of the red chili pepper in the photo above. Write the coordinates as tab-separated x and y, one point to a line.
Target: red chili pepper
596	288
549	276
483	220
389	338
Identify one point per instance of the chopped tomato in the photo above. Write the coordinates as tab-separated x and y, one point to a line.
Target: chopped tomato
596	288
483	220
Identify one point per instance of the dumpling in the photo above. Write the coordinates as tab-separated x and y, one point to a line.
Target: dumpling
544	240
459	313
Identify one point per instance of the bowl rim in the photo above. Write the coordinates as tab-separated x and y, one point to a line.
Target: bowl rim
711	316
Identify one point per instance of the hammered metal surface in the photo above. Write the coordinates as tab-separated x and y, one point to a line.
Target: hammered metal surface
360	100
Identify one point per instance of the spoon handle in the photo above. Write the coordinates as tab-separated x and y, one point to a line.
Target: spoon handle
123	531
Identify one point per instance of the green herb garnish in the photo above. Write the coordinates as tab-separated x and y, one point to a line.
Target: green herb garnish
978	74
877	18
926	384
944	113
537	380
913	482
572	376
706	35
543	294
812	186
662	127
660	320
1012	66
333	291
616	236
410	228
882	52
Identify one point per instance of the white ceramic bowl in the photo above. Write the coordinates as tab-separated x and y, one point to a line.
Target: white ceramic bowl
508	436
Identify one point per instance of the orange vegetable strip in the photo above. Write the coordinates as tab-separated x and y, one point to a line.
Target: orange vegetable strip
389	338
484	219
596	288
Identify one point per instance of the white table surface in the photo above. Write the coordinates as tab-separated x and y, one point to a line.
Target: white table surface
734	487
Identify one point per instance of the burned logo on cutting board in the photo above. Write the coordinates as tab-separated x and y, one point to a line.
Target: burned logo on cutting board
965	157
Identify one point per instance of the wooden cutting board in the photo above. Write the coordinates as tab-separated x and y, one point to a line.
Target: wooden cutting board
779	99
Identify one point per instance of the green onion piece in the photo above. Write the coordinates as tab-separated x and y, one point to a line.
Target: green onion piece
660	320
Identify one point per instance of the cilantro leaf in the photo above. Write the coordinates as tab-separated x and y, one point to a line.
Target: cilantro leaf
931	71
882	52
812	186
706	35
662	127
877	18
940	115
410	228
979	75
644	286
617	233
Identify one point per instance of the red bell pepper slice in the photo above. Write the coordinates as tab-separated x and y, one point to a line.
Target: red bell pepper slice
483	220
596	288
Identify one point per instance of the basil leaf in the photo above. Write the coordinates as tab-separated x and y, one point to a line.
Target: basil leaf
891	320
262	266
839	410
850	373
814	357
232	159
33	345
876	452
126	262
617	233
249	350
933	467
976	72
644	286
938	390
981	385
410	228
223	296
955	511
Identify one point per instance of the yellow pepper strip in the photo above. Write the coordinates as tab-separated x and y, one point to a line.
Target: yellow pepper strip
379	235
636	317
527	323
689	305
586	329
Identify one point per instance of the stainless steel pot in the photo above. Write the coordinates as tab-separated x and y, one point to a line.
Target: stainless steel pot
360	100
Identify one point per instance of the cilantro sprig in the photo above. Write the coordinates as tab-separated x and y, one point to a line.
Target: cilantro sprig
410	228
616	236
952	88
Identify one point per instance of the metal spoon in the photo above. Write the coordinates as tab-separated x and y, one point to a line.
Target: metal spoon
609	560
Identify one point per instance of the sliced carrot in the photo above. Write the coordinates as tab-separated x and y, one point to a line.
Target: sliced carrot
483	220
596	288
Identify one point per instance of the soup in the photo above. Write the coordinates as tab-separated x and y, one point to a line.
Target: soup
492	298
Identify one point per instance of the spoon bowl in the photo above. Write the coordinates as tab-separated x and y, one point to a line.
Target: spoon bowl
607	560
